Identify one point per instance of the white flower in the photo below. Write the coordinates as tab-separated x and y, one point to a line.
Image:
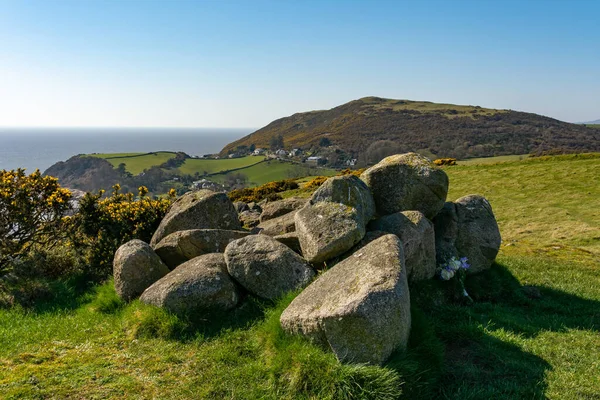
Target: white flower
446	274
454	264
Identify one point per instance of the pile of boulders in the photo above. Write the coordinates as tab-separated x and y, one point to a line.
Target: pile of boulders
367	238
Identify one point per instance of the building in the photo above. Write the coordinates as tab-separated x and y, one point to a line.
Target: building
351	162
317	160
295	153
206	184
258	152
281	153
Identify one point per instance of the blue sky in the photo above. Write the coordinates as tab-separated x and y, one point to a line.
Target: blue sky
246	63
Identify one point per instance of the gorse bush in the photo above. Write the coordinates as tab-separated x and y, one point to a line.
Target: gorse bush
102	225
445	161
32	211
265	191
315	182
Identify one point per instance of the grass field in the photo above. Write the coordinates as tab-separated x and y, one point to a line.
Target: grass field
137	162
493	160
192	165
274	171
532	333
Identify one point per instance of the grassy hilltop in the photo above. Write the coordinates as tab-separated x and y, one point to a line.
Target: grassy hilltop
532	333
442	130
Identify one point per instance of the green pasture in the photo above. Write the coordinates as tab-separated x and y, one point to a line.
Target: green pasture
137	162
192	166
274	170
493	160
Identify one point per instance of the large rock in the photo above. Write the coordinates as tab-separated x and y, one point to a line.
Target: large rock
468	228
334	219
278	226
327	230
360	308
202	209
278	208
348	190
200	284
249	218
181	246
417	235
407	182
266	267
135	267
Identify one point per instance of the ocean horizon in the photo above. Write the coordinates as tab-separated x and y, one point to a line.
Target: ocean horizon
39	148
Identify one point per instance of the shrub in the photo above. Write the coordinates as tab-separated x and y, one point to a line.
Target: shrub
266	191
102	225
316	182
32	208
355	172
445	161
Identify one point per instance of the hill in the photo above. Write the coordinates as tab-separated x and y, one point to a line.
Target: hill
436	130
596	122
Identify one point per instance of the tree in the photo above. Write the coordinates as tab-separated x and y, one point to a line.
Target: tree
236	181
32	208
324	142
276	142
381	149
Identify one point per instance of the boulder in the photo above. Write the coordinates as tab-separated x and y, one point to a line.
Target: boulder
240	206
266	267
200	284
278	226
360	308
348	190
202	209
249	218
327	230
278	208
135	267
468	228
334	219
181	246
407	182
417	235
290	240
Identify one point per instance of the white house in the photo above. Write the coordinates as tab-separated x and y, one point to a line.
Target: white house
351	162
281	153
295	153
258	152
314	160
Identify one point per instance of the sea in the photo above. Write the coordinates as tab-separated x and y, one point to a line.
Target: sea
39	148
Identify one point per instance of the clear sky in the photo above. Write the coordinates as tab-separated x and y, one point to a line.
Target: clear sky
244	63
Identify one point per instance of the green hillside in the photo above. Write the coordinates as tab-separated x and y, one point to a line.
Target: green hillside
274	171
444	130
137	162
210	166
532	333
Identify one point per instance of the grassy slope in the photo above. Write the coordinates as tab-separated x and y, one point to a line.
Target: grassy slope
273	171
492	160
191	166
137	162
517	341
